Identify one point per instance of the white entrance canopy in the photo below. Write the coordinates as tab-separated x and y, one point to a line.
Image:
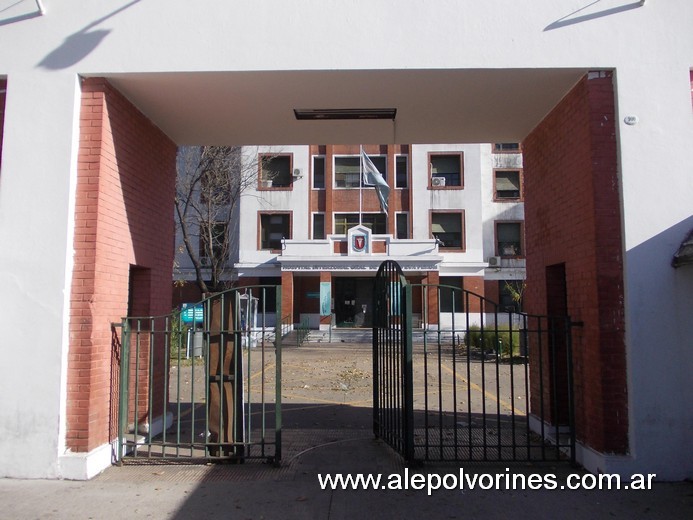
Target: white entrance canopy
433	106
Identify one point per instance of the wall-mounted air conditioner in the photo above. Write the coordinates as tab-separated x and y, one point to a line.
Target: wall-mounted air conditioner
494	261
437	181
297	173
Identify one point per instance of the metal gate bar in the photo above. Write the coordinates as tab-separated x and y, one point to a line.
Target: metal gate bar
392	360
477	384
471	379
203	390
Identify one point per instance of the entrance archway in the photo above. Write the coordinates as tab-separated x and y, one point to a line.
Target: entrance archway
551	235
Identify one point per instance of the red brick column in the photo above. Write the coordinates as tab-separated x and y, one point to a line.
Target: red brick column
432	278
124	205
288	295
475	284
573	219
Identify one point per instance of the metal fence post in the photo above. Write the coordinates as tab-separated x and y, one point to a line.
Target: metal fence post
123	390
408	374
278	381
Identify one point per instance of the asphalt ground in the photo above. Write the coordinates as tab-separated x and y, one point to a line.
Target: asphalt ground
327	417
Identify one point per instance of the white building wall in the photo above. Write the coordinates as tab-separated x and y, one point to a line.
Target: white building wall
492	211
254	201
469	199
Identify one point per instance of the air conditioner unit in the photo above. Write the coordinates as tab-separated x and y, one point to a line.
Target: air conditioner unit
494	261
297	173
437	181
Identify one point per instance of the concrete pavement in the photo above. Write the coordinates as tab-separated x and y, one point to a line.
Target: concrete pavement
330	434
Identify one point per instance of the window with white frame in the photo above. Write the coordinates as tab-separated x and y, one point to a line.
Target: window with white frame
376	222
402	226
347	170
318	226
402	171
319	172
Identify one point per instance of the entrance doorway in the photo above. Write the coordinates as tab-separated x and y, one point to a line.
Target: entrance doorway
353	299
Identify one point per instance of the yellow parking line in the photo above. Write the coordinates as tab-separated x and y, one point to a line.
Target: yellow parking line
491	396
316	399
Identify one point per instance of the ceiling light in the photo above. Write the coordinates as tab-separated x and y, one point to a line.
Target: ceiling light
316	114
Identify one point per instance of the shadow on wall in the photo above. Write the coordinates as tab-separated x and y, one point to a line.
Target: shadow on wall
661	355
574	18
79	45
654	257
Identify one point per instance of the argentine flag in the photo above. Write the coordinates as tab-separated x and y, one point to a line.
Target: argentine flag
372	177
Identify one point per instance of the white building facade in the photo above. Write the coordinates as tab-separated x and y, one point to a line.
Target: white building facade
451	210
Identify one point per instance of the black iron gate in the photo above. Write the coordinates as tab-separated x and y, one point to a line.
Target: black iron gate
203	382
474	382
392	360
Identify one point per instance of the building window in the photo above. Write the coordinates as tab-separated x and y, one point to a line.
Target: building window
376	222
509	238
347	170
273	228
275	171
506	148
402	225
448	229
318	172
214	242
507	185
450	294
318	226
401	171
510	295
446	170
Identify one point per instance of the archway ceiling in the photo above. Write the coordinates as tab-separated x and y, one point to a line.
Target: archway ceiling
433	106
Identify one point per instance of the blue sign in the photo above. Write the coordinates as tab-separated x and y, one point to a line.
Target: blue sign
325	298
191	313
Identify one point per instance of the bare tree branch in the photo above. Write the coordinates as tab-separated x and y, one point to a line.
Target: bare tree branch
209	185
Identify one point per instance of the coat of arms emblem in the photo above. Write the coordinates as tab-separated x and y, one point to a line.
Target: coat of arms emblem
359	243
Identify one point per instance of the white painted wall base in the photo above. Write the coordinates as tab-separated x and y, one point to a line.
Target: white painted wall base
625	466
84	466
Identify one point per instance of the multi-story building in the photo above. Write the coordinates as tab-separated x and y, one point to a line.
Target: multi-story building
454	216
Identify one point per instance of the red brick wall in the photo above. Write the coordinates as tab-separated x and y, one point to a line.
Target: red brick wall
432	278
288	296
123	218
475	284
572	215
3	95
303	304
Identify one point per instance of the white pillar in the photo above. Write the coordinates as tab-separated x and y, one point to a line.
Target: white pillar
37	193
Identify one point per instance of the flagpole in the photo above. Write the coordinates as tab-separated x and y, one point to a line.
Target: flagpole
360	183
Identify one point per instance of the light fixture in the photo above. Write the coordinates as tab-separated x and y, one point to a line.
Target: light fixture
317	114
